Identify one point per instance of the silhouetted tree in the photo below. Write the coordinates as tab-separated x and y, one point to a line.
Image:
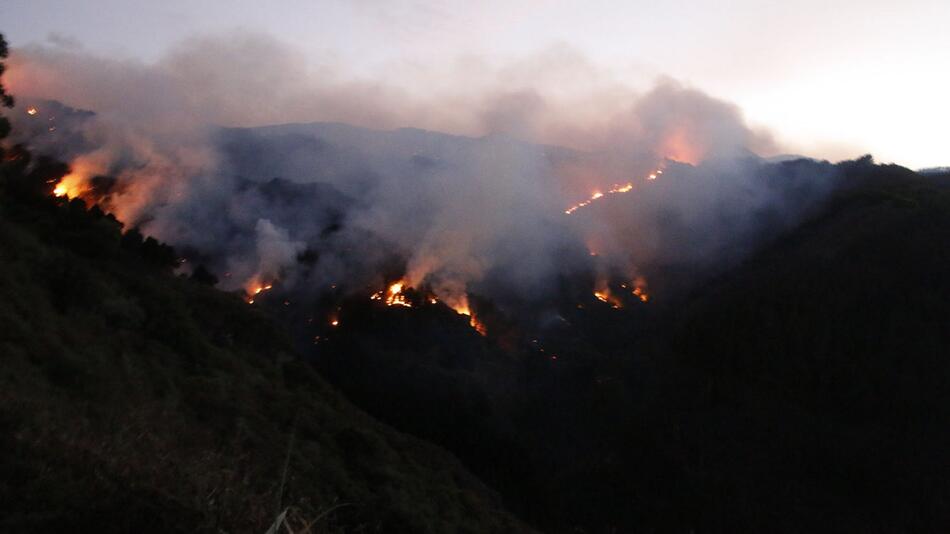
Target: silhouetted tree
159	253
203	276
6	99
132	240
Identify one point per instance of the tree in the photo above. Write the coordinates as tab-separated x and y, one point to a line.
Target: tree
203	276
5	99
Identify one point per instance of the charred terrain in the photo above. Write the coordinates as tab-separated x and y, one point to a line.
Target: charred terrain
776	360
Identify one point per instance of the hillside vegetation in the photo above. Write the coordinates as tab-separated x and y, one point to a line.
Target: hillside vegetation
132	400
809	389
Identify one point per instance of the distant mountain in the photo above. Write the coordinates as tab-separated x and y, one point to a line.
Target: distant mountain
351	158
934	170
781	158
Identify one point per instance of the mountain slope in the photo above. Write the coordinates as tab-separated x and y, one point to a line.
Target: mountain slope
131	400
808	390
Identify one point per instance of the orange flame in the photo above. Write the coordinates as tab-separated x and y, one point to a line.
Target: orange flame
394	295
255	289
460	305
680	145
616	189
31	110
71	186
602	293
477	325
640	289
76	183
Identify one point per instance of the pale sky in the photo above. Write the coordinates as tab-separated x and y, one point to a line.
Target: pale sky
830	78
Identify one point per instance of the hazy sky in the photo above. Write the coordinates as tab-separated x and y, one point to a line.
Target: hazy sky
831	78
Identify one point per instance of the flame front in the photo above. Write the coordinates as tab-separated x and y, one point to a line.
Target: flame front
461	307
255	289
394	295
603	294
70	186
77	182
617	188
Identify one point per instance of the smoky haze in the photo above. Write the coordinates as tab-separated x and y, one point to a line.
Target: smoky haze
214	151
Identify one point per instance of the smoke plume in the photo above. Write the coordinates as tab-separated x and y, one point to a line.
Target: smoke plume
214	151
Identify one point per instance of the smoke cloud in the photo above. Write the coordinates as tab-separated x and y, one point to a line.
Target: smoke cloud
213	151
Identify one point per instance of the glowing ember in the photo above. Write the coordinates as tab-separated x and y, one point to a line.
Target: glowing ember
31	110
334	322
624	188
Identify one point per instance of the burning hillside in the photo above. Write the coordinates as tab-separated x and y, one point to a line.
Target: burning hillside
615	189
326	208
502	235
394	295
569	274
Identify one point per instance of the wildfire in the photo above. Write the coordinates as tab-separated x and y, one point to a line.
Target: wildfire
70	186
625	188
603	295
640	289
31	110
394	295
256	289
461	307
477	325
77	182
472	319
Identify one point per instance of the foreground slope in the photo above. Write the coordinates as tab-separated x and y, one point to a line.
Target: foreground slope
135	401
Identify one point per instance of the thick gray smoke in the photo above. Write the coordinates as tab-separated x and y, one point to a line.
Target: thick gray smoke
479	207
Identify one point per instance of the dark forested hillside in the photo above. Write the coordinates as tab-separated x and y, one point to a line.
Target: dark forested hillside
808	389
132	400
804	390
